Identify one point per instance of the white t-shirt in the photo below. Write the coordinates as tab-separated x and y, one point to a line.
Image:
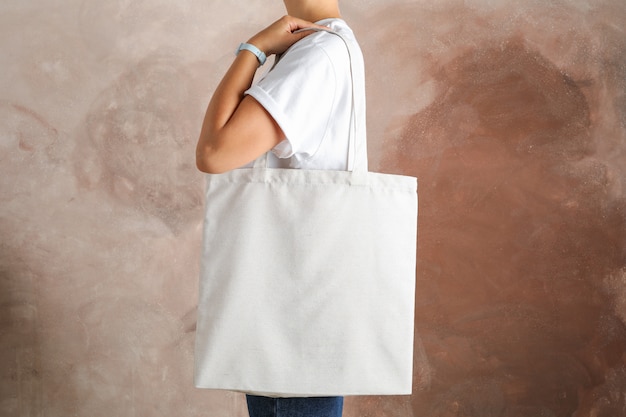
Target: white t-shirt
308	92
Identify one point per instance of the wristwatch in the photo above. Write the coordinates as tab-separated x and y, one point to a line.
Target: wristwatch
260	55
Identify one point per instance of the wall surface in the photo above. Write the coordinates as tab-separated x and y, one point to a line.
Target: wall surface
512	114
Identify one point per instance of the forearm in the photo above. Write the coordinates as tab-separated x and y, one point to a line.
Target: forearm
228	96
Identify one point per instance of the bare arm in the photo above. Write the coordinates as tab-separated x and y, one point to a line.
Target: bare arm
236	128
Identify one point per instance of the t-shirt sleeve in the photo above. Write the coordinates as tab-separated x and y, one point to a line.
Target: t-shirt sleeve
299	93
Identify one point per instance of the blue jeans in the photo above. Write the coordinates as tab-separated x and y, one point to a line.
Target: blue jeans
294	407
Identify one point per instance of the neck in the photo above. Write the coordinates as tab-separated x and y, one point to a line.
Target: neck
313	10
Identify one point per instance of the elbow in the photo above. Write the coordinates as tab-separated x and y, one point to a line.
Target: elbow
209	161
211	153
208	166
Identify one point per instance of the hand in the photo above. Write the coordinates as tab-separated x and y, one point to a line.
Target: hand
276	38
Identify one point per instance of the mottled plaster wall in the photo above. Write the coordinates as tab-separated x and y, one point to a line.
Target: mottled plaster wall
512	114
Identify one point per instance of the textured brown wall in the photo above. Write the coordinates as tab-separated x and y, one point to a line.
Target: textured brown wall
512	114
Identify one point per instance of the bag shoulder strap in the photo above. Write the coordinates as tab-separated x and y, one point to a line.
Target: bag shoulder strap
357	151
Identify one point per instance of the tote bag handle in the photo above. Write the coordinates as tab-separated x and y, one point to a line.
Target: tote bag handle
357	147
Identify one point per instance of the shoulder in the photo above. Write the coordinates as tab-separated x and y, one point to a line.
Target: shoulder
323	47
316	50
327	44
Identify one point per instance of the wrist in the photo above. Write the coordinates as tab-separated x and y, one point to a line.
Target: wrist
258	41
252	48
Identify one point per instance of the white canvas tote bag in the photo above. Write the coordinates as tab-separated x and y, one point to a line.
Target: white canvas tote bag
308	277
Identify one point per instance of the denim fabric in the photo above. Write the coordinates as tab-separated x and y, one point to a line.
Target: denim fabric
294	407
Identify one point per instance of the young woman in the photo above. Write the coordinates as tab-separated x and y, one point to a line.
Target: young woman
299	110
